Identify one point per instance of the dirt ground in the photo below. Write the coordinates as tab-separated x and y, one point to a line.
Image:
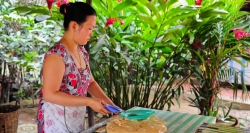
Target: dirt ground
28	111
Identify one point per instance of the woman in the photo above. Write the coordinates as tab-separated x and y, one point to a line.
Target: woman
66	76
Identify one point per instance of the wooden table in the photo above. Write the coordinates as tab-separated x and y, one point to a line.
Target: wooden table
180	122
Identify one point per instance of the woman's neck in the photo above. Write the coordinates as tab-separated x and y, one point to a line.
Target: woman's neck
69	43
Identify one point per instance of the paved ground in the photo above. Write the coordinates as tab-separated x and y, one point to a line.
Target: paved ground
241	109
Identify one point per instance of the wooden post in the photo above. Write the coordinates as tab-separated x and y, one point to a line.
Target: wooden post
90	111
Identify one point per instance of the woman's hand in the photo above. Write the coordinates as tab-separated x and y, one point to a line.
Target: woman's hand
98	106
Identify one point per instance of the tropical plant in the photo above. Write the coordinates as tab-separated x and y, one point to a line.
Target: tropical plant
23	43
146	53
131	67
212	44
140	59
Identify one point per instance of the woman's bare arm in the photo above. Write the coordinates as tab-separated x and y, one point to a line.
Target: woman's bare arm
53	71
96	91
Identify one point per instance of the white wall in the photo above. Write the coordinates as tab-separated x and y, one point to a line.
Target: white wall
246	70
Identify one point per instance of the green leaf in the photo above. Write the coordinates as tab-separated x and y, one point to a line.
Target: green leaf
229	109
146	32
238	61
170	3
128	20
215	5
100	42
110	6
224	53
245	57
200	57
127	43
167	48
242	13
148	20
125	4
242	25
247	43
163	5
154	10
99	6
191	38
40	38
142	9
39	11
181	10
126	58
178	17
173	29
22	9
174	38
113	41
147	46
136	37
166	37
213	12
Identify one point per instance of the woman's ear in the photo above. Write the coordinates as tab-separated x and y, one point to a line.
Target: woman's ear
74	26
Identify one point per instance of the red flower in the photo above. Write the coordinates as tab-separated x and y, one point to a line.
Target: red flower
207	62
50	2
65	2
110	21
196	46
119	0
58	3
240	33
198	2
166	0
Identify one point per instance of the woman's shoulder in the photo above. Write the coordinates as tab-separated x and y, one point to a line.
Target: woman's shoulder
58	49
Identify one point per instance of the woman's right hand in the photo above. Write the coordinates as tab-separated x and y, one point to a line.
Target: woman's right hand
98	106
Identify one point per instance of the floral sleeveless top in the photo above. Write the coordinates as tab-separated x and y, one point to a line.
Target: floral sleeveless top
54	118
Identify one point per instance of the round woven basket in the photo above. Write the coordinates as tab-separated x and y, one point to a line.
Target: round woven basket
9	118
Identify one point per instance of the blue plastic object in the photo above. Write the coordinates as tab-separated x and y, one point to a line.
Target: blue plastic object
137	114
112	108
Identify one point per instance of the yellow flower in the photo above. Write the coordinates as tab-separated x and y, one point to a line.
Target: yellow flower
202	67
9	53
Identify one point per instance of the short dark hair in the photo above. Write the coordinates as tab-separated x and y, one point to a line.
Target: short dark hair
77	11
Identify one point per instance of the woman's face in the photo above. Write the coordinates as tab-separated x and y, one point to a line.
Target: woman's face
84	31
